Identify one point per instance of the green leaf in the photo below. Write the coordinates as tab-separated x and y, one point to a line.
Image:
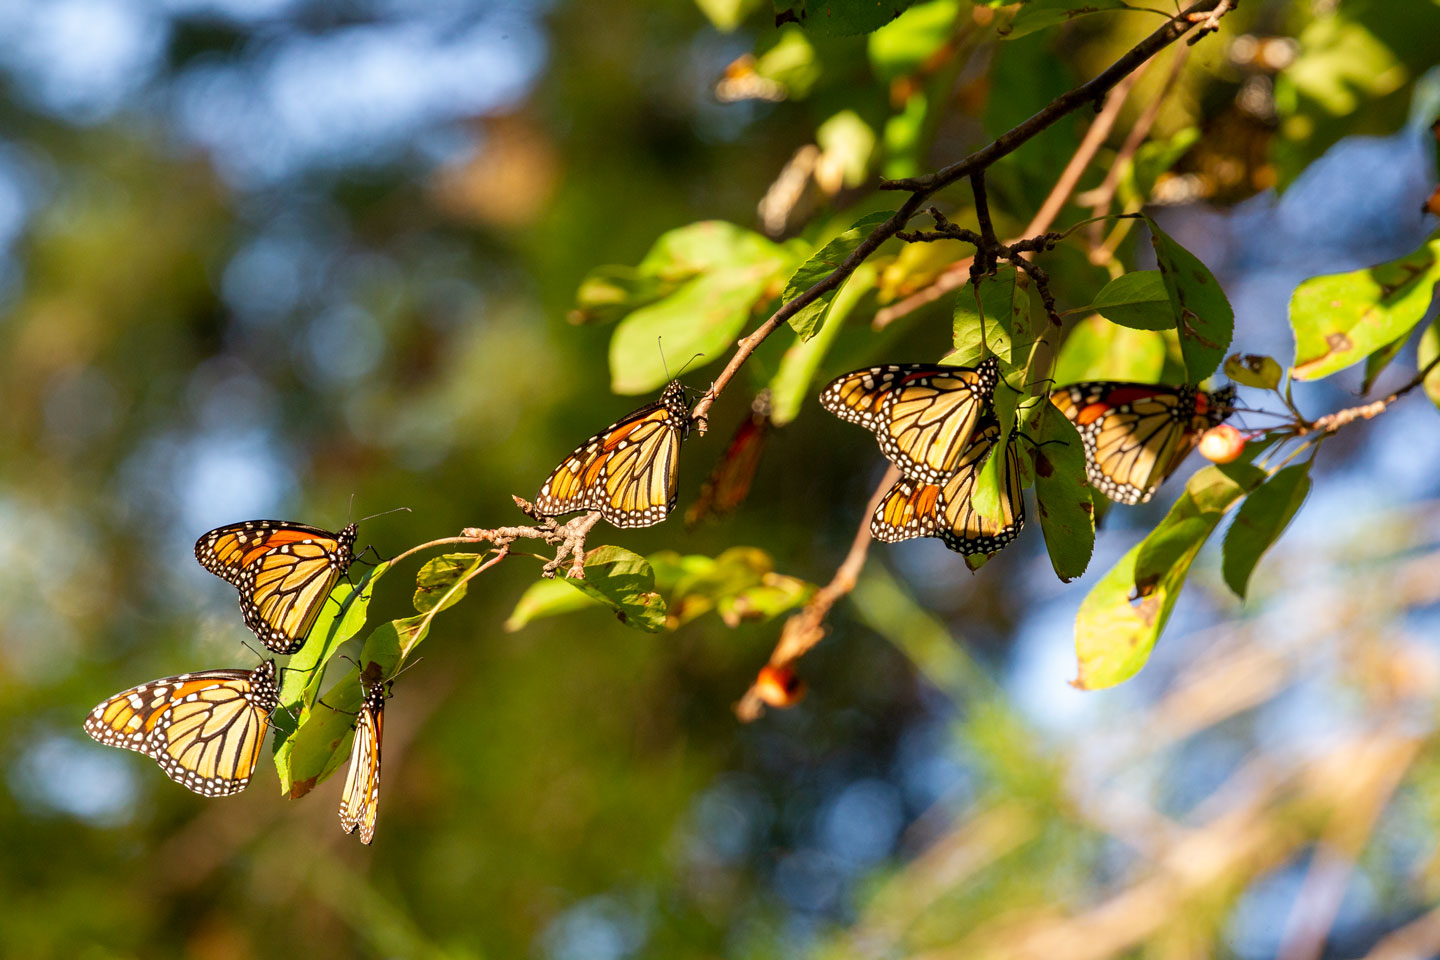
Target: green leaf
904	45
1004	300
1062	494
823	262
1342	318
791	62
1253	370
623	581
1429	350
791	384
986	496
610	292
727	14
1114	633
847	142
442	582
546	598
341	618
727	272
1041	14
1097	349
839	18
1203	316
322	742
1137	299
1261	520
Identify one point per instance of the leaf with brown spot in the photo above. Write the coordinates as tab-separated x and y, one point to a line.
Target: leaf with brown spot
1342	318
1062	494
1204	317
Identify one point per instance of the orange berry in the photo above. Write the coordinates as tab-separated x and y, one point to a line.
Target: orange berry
779	686
1222	444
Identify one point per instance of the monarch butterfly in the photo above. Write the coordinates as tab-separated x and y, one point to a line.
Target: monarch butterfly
729	484
283	571
361	798
1136	434
915	509
922	413
628	471
204	729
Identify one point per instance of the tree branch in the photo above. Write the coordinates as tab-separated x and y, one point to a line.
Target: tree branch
1092	91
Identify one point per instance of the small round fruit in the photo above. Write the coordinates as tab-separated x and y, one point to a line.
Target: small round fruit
1222	444
779	686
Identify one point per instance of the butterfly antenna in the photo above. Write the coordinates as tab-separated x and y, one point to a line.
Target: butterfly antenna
384	513
349	513
258	655
407	666
660	342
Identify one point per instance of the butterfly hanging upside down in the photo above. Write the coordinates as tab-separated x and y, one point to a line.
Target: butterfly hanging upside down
204	729
916	509
283	571
360	801
628	471
923	414
1136	434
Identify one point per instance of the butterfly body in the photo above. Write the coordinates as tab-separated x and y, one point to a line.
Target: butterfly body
922	414
1136	434
284	572
629	471
360	800
914	508
204	729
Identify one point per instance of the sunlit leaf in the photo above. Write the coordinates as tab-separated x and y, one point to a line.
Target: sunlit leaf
546	598
1260	521
1342	318
1123	616
441	581
340	619
1062	494
610	292
821	264
727	14
624	582
1004	300
1137	299
730	271
322	742
1097	349
846	145
1203	316
904	45
1429	350
1253	370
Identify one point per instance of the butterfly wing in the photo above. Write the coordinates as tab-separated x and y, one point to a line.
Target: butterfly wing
908	511
960	526
283	571
628	471
729	484
204	729
360	800
1137	434
923	414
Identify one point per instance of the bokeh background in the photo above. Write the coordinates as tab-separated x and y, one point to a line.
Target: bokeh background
258	257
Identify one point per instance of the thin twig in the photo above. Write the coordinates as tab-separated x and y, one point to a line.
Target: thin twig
920	188
807	628
1366	411
569	537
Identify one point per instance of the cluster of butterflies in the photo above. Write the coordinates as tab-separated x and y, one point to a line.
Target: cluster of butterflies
937	425
205	729
935	422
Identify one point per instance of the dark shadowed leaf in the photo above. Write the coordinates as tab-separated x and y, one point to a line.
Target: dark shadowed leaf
1041	14
1062	494
1342	318
1120	620
1203	316
1260	521
839	18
